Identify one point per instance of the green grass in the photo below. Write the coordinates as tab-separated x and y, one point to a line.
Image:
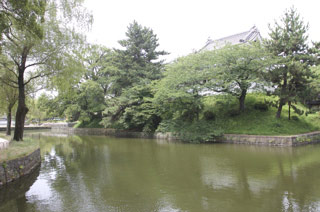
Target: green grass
18	149
255	122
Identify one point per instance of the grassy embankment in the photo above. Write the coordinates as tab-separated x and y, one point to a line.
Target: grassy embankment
255	121
17	149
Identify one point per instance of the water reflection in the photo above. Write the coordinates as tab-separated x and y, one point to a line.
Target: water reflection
13	195
92	173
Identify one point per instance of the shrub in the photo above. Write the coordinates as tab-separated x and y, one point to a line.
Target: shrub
234	112
192	132
295	118
209	115
261	106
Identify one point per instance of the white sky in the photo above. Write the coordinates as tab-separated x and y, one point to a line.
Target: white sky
184	25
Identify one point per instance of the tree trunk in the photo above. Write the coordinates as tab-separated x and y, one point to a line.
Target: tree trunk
242	99
22	109
289	112
8	131
281	103
282	100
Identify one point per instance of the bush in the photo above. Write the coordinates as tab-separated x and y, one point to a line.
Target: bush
192	132
209	116
261	106
234	112
295	118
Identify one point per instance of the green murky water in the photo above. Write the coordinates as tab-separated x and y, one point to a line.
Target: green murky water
92	173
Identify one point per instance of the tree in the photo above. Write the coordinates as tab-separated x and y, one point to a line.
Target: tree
291	72
236	69
179	93
179	99
47	54
97	62
89	102
133	110
9	97
139	62
130	74
24	14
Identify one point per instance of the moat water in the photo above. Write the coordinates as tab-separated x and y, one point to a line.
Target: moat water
96	173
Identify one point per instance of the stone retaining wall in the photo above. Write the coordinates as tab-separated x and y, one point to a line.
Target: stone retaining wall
27	128
14	169
102	131
295	140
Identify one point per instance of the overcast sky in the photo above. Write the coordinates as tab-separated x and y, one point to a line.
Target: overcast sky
184	25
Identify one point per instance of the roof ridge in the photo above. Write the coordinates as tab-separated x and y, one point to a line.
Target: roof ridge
241	37
223	38
254	30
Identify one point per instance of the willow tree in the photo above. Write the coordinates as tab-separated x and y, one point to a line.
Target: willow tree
43	54
23	14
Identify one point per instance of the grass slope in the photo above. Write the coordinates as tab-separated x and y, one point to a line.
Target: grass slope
18	149
255	122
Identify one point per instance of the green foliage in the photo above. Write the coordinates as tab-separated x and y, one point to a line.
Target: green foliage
39	36
290	73
193	132
255	122
87	104
8	94
27	15
237	69
130	75
261	106
132	110
95	123
178	93
234	112
139	62
209	116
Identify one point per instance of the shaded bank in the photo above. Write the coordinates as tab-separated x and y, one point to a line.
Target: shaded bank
17	189
294	140
16	168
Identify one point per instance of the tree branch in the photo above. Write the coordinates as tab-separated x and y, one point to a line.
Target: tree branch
5	82
14	60
9	69
36	76
34	64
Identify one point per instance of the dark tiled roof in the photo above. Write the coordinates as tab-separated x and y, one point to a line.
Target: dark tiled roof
252	35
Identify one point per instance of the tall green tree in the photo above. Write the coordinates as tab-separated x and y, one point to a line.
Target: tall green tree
237	69
133	69
45	55
139	61
291	73
179	93
24	14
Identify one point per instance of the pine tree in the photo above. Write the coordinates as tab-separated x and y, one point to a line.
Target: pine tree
134	68
138	62
290	74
